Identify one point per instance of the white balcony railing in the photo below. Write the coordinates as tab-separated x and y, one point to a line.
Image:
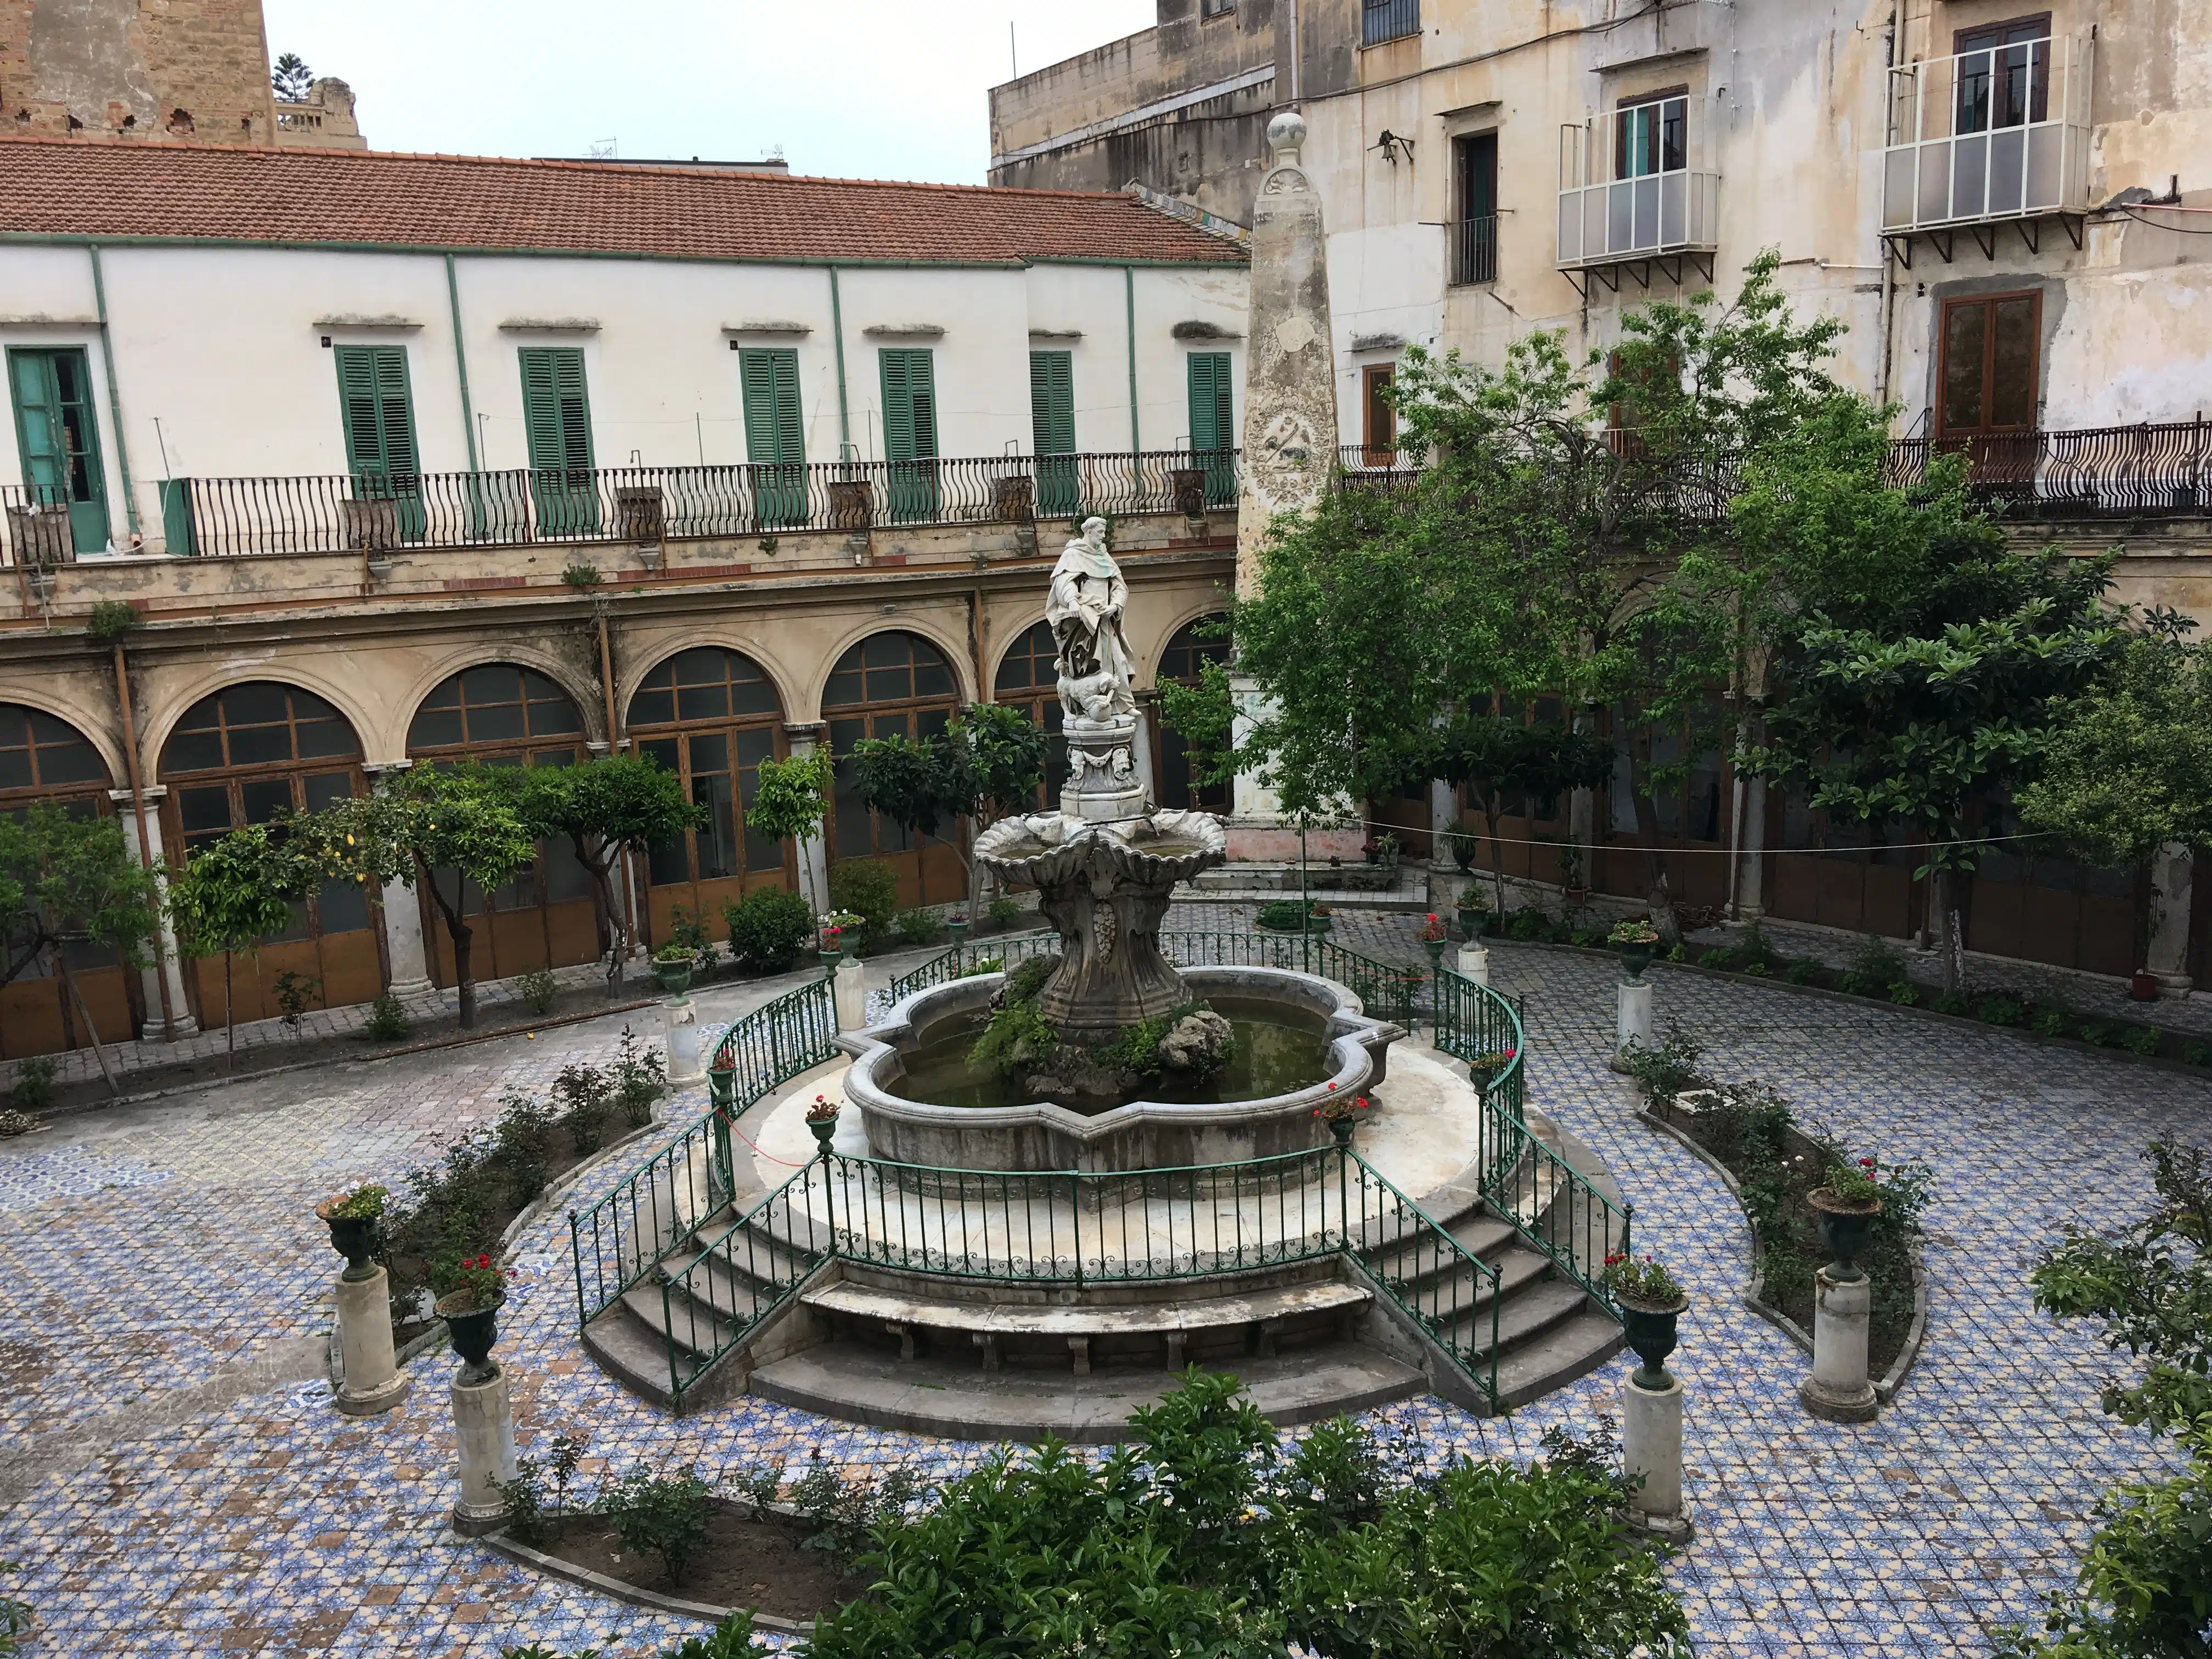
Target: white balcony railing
2001	133
1626	191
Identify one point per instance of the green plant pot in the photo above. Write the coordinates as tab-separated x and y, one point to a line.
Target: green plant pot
722	1087
675	977
1341	1128
824	1130
830	959
1844	1232
1650	1330
1473	923
1634	959
472	1330
353	1237
1435	947
958	930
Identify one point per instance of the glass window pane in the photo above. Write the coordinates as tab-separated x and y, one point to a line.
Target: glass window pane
703	702
490	683
843	690
258	703
718	842
191	752
343	906
15	768
325	737
652	706
1962	367
263	799
202	811
71	763
932	679
498	722
435	728
555	716
2012	371
325	788
260	746
753	696
566	878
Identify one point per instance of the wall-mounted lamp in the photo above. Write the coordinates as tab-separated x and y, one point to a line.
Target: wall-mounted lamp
1391	143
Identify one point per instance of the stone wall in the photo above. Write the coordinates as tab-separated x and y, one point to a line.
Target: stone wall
191	69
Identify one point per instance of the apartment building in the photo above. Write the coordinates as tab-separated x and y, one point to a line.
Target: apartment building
414	458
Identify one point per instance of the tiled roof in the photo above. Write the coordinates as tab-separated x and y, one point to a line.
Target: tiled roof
78	187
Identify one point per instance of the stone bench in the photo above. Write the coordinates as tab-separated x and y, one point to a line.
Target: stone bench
1265	1313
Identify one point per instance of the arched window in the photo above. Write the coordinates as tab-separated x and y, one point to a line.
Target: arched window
44	758
711	716
243	756
1028	679
502	714
893	682
1187	653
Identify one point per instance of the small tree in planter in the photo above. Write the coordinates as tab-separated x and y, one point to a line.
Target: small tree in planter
606	806
236	891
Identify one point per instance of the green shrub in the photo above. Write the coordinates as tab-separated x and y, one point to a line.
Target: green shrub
664	1515
641	1076
1678	952
1722	959
1756	970
768	927
1952	1002
582	575
539	988
985	965
869	890
32	1090
294	993
1875	968
2001	1011
2051	1021
583	1100
1754	948
111	620
919	925
1588	938
1528	924
687	931
1803	971
1285	915
387	1019
2196	1053
1665	1070
15	1615
2140	1039
1002	912
1904	993
2101	1033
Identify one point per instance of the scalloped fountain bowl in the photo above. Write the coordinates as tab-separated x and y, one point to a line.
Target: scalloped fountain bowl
1347	1049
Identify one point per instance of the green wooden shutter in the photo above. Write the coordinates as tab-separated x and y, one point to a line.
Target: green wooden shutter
58	435
556	414
1052	401
374	402
1213	424
771	382
910	434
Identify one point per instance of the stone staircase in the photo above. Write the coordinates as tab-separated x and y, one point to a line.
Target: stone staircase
766	1309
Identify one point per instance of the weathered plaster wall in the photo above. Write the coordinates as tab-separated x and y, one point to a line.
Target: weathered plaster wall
127	68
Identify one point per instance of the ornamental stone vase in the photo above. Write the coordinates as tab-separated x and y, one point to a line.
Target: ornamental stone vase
473	1331
675	977
1649	1327
353	1237
1634	959
1843	1229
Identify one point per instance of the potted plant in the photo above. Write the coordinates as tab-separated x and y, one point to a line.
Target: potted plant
1634	941
1386	852
956	925
469	1291
1650	1301
822	1119
1434	937
1474	912
1847	1204
1485	1069
352	1218
672	965
1341	1113
840	936
1459	847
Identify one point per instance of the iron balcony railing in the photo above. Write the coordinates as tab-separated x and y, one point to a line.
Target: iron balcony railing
388	513
1371	466
1473	249
1074	1228
1388	20
2155	470
2000	133
1627	191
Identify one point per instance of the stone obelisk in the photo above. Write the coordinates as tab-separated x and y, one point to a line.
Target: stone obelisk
1289	436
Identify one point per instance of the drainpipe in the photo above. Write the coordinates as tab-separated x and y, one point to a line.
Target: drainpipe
1129	315
461	364
1888	261
837	338
629	935
115	396
145	840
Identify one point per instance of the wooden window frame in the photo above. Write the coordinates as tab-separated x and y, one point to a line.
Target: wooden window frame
1943	310
1378	423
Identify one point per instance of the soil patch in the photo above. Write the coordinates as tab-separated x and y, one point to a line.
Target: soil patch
749	1561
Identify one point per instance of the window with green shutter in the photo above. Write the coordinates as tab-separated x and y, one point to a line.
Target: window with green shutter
556	418
58	435
910	433
377	408
775	438
1052	419
1214	425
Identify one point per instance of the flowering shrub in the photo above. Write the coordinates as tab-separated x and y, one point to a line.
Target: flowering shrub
821	1110
1433	931
1341	1108
1640	1278
1632	932
1858	1183
474	1282
361	1204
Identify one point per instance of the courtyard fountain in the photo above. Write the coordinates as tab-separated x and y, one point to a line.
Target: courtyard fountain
1107	1055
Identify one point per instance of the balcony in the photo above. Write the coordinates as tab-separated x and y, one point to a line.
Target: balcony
1986	139
1388	20
1474	250
379	513
1630	201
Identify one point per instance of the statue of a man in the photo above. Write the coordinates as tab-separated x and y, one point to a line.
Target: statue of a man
1085	608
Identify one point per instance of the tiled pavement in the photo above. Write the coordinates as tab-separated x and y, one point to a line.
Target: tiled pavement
170	1248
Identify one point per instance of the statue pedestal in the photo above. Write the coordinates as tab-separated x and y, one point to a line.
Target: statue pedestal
1102	786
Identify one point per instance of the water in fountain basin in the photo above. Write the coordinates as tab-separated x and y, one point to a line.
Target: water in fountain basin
1274	1051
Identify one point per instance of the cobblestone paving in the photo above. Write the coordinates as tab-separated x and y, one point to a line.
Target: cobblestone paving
176	1484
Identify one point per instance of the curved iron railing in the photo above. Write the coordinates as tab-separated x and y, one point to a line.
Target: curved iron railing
728	1258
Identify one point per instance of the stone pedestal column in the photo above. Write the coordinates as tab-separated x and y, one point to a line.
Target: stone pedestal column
1751	858
1631	1021
372	1381
167	963
850	994
1837	1389
813	871
404	944
1651	1447
1474	962
2173	880
680	1018
1148	712
483	1427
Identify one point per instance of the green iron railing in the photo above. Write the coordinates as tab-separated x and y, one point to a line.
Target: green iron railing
1077	1228
1551	1204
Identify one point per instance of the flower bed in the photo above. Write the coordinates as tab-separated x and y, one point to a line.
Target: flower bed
1750	1131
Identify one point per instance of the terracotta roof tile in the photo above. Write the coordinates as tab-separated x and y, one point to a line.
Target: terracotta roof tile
79	187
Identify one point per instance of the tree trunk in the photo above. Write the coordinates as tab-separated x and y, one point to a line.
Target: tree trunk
1951	937
229	1018
459	930
601	863
1496	856
99	1054
1661	897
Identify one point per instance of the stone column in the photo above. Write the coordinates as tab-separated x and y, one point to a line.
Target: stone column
2173	879
404	944
1651	1447
1839	1390
372	1381
1474	961
483	1426
850	994
814	873
168	963
1751	855
680	1017
1631	1021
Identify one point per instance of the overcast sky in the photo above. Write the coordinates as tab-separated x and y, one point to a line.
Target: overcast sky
850	88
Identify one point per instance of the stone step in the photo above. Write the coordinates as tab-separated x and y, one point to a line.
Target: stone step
633	1354
946	1396
738	1270
1421	1258
1522	1317
1571	1349
692	1323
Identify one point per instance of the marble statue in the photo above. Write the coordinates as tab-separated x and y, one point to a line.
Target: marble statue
1083	607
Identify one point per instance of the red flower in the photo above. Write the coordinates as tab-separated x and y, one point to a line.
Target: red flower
1332	1085
1866	1164
1432	916
1360	1104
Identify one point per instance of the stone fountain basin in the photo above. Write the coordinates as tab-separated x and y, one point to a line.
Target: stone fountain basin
1141	1135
